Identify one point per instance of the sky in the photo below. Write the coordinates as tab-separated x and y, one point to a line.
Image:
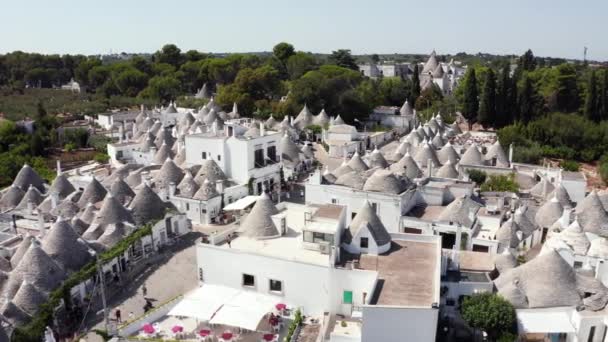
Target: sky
555	28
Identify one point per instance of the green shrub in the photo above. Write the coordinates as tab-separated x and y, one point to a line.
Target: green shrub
101	158
603	168
479	177
570	165
500	183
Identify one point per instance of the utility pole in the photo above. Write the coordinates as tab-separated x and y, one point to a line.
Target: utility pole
585	54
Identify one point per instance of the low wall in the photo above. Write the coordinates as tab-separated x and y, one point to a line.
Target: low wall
132	327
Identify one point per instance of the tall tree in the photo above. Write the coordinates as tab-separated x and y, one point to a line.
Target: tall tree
490	313
527	62
604	96
470	103
591	98
344	59
503	109
567	97
169	54
283	51
487	106
527	100
415	86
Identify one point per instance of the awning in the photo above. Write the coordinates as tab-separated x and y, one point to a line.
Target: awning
242	203
544	321
203	302
245	310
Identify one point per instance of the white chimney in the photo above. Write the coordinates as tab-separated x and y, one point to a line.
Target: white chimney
219	186
262	129
290	120
172	188
41	225
564	221
430	167
54	199
58	167
545	185
30	207
133	129
510	154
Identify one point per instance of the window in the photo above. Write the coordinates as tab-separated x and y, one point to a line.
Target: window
187	206
591	334
248	280
204	155
119	154
334	200
347	297
271	152
578	264
276	286
200	274
364	242
259	158
318	237
219	157
259	188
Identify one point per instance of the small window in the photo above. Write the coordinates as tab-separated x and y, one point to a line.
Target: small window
187	206
591	334
204	155
364	242
248	280
334	200
200	274
276	286
578	264
347	297
219	157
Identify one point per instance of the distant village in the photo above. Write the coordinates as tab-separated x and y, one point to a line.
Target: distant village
342	235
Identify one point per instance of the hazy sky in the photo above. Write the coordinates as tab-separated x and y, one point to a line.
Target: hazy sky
559	28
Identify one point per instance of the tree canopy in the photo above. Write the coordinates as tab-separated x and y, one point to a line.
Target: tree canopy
490	313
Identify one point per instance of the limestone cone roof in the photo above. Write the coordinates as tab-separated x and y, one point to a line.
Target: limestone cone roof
252	132
61	186
407	166
146	206
338	121
385	181
437	141
537	190
562	195
321	119
404	147
431	64
112	235
186	121
32	195
122	191
147	145
162	154
171	108
65	208
341	170
234	114
89	213
14	315
212	116
356	163
525	221
430	133
271	122
5	266
575	238
79	226
210	170
504	261
188	186
290	152
455	128
496	151
447	171
598	248
446	153
202	113
463	210
112	212
592	215
94	192
180	157
304	118
472	156
168	173
546	281
352	179
376	159
211	105
164	136
23	247
328	176
206	192
426	153
438	72
37	268
62	245
140	117
413	138
203	92
367	217
258	224
549	213
155	128
406	109
26	177
11	197
421	132
28	298
194	128
146	124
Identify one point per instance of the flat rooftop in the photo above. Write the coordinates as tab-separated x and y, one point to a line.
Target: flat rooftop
406	274
427	213
290	245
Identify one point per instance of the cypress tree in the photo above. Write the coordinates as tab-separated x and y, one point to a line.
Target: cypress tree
502	97
415	86
487	106
591	99
604	97
527	100
470	103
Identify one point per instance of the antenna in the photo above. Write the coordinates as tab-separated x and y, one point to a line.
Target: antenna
585	54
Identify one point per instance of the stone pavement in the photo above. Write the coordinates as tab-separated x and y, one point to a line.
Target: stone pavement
172	276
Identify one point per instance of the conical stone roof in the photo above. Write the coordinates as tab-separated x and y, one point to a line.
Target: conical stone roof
352	179
356	163
426	153
304	118
62	245
321	119
504	261
168	173
367	217
28	298
258	224
61	186
575	238
164	137
94	192
496	151
26	177
209	170
112	212
447	171
472	156
206	192
446	153
23	247
406	109
507	235
31	196
270	123
592	215
162	154
431	64
122	191
188	186
376	159
341	170
407	166
89	213
11	197
437	141
338	121
290	153
66	208
549	213
14	315
562	195
252	132
538	189
112	235
438	72
146	206
385	181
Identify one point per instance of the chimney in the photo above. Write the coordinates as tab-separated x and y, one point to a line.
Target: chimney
54	199
41	224
262	129
510	154
430	167
545	185
219	186
172	188
290	120
58	167
564	221
121	132
30	207
133	130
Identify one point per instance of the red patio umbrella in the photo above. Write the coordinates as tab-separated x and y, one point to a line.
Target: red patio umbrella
148	328
204	332
227	335
268	337
177	329
280	306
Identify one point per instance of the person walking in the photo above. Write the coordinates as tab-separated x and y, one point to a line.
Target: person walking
144	290
118	317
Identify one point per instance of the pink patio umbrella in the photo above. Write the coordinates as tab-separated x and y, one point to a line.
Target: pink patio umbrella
227	336
281	306
268	337
177	329
148	328
204	332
